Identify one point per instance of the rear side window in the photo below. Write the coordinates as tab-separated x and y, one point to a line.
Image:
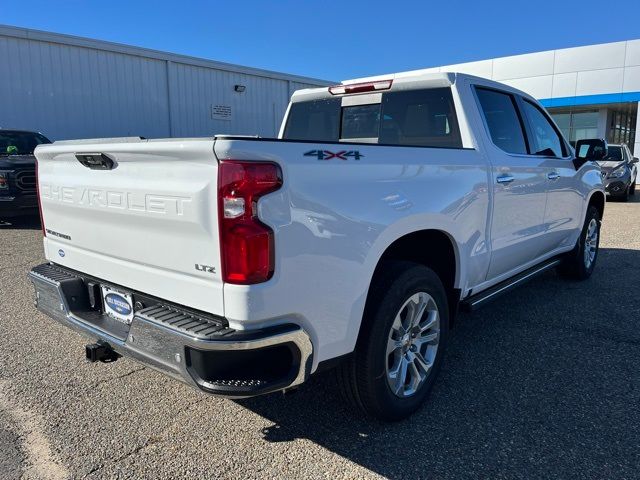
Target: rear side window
545	139
505	127
424	118
317	120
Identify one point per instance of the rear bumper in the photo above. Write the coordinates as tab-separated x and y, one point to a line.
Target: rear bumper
192	347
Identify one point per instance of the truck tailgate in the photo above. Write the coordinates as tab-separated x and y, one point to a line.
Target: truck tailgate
147	224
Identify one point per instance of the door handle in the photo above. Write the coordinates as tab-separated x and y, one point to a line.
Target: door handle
505	179
553	176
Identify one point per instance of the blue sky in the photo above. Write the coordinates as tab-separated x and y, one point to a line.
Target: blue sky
336	40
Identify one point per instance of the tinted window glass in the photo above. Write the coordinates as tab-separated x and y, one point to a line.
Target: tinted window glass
546	140
20	143
360	122
317	120
502	119
420	118
614	153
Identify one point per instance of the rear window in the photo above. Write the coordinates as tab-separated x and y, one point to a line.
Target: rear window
318	120
424	118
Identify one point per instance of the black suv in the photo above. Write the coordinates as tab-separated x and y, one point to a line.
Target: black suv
620	172
18	172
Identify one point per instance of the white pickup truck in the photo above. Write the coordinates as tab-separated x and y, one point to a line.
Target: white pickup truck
243	265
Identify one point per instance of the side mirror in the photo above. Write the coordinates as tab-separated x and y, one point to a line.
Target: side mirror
634	160
591	149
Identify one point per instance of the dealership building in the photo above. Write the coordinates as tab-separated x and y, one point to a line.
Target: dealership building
590	91
71	87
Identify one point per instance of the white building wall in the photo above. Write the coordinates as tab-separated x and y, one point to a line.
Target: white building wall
636	147
611	68
70	87
591	75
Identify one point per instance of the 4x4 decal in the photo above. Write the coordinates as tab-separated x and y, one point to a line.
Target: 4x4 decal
327	155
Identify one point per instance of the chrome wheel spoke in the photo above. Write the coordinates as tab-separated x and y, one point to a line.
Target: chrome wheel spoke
419	310
399	376
421	362
415	379
430	322
393	346
429	339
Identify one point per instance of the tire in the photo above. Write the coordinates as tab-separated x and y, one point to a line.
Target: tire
625	196
577	264
632	189
372	378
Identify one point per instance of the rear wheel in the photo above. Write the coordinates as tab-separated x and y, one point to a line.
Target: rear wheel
580	262
402	341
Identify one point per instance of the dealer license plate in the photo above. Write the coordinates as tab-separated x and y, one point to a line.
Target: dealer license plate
118	305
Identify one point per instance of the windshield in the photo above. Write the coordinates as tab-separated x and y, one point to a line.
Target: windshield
20	143
614	154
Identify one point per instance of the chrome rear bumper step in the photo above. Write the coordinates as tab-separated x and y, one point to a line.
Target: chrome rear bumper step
198	349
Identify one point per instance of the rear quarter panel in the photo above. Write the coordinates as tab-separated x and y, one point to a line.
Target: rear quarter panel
334	218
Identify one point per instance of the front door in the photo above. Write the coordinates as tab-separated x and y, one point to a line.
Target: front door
565	203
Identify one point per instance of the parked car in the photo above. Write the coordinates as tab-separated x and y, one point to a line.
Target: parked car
620	171
243	265
18	172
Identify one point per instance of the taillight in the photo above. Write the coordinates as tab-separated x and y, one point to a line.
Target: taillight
247	246
44	231
360	87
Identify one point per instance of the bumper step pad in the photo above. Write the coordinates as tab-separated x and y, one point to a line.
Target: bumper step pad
185	322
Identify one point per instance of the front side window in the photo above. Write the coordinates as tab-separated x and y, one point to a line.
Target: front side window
614	153
545	141
505	127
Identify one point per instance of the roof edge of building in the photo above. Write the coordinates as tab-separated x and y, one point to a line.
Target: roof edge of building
104	45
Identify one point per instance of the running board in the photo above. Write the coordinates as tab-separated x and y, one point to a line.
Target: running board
474	302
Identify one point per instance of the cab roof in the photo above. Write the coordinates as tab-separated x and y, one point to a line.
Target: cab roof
412	80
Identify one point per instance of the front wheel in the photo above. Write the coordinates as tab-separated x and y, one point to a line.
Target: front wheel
580	262
625	196
402	341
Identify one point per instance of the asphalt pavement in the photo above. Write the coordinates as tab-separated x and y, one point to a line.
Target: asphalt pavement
544	383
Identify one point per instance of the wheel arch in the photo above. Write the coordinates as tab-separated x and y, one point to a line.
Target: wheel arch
598	200
442	256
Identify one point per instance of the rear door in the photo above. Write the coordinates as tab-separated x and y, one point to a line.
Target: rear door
519	184
148	223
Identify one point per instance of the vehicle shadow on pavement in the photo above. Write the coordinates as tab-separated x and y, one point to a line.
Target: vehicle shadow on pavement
544	382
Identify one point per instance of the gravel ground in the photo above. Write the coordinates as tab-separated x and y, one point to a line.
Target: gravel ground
542	384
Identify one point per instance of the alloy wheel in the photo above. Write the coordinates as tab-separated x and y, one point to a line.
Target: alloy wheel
412	344
591	243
